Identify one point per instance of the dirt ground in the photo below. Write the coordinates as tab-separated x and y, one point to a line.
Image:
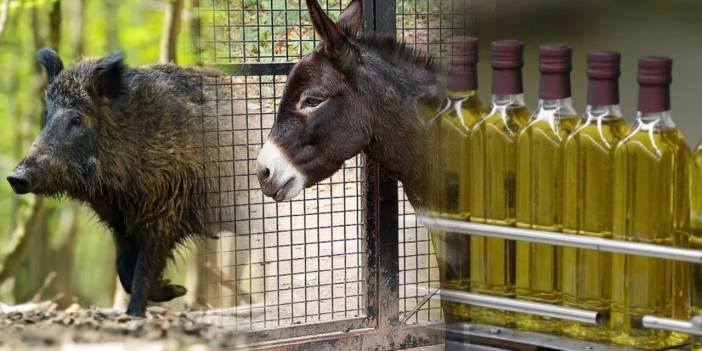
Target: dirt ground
42	327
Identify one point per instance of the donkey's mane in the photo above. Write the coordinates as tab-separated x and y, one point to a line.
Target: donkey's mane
397	52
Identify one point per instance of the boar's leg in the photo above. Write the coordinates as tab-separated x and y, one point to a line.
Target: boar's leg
127	254
151	262
146	283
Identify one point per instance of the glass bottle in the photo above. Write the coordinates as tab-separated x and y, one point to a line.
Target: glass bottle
589	171
650	206
696	236
540	182
463	110
493	193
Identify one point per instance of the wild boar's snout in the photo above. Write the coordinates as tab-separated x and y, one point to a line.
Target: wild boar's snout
29	172
19	180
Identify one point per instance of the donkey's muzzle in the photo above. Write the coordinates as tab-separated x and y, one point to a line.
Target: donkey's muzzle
279	178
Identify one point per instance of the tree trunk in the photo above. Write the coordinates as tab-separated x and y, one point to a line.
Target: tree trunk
4	15
55	25
64	256
78	22
22	237
195	30
36	231
13	110
171	29
111	25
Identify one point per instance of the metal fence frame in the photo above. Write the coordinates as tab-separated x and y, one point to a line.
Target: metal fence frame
382	327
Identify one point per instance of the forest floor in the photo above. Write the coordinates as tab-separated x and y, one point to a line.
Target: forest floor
42	327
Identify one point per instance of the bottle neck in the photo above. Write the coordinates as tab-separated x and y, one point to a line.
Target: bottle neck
508	100
462	79
555	108
462	94
507	81
603	112
654	120
554	86
602	92
654	98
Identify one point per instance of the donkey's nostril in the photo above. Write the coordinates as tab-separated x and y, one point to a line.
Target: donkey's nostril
18	184
264	173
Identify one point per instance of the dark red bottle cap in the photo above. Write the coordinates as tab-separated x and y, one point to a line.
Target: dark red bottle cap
555	66
603	77
507	61
655	76
655	70
463	58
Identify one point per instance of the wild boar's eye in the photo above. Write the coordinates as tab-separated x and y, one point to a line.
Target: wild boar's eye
75	121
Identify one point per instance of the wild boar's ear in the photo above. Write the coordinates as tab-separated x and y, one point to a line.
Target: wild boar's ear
51	61
351	19
332	37
106	78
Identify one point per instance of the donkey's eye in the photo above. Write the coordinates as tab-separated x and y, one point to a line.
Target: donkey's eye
312	102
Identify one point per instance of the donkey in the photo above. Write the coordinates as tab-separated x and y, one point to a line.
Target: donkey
352	94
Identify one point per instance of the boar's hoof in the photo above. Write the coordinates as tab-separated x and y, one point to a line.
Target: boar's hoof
166	292
136	311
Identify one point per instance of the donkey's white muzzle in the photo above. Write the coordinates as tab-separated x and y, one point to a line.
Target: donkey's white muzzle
279	178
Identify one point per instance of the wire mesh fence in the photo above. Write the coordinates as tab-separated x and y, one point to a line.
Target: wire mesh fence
301	261
427	25
275	264
258	31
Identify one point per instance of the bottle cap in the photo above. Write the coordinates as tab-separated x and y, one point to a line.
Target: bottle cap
603	73
463	58
555	58
655	70
603	64
464	50
507	54
507	61
555	66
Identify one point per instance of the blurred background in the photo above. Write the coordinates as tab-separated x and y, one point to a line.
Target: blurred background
56	249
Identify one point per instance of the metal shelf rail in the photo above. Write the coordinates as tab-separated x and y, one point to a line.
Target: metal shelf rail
693	327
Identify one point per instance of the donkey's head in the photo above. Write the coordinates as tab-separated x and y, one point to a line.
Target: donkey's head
321	121
332	105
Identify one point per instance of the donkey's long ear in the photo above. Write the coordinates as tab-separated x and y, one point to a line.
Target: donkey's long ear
51	61
106	78
351	18
332	37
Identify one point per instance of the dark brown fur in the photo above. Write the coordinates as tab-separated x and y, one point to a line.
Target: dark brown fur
373	88
135	154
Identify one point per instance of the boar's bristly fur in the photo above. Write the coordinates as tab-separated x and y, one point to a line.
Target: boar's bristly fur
129	143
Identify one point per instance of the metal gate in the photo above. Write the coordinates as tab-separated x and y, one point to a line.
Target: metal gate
309	272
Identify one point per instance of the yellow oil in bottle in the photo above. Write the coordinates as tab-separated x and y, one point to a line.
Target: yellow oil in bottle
455	127
493	201
456	123
696	237
454	173
429	193
650	187
540	182
587	191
